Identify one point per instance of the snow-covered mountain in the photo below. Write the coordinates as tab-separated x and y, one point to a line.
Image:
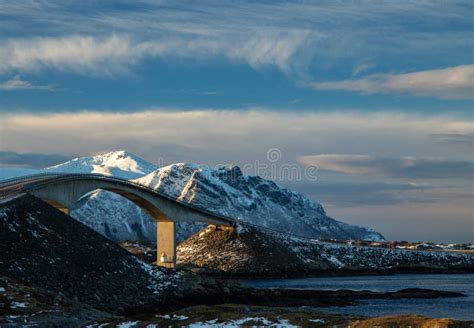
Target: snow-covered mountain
251	199
224	191
121	164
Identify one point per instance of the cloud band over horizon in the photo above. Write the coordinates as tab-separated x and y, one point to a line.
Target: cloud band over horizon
447	83
404	167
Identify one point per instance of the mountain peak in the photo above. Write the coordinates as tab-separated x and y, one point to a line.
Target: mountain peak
121	163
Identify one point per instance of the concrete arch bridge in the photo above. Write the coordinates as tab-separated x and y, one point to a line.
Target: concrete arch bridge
64	190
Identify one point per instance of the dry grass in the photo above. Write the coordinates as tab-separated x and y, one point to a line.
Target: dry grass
408	321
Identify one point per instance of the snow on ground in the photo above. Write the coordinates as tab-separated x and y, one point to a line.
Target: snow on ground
251	321
173	317
16	305
128	324
342	255
158	279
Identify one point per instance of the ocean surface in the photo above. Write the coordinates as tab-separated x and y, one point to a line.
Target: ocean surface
456	308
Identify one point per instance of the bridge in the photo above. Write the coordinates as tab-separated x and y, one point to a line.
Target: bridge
64	190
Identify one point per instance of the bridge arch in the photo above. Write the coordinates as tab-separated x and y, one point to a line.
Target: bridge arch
64	191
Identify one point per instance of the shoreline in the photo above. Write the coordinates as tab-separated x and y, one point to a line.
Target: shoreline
316	274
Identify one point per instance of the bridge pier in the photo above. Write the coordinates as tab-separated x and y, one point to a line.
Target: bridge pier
166	244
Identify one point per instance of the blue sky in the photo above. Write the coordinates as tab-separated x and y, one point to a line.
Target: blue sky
376	94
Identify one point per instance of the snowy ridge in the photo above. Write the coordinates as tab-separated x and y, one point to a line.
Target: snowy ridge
251	199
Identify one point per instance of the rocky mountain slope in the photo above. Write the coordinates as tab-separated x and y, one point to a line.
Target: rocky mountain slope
225	191
252	252
251	199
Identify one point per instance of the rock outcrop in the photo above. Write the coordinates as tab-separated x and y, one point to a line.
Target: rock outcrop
251	252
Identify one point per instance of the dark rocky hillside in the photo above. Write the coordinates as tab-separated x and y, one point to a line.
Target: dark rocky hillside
45	248
252	252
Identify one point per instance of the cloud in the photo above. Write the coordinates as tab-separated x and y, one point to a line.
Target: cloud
30	160
216	136
357	70
448	83
16	83
294	37
462	139
76	53
342	194
403	167
115	54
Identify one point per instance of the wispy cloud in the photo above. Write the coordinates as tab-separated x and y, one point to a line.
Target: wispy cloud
357	70
342	194
448	83
16	83
402	167
116	54
293	38
77	53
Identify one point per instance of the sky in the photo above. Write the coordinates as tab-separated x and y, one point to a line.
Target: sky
377	96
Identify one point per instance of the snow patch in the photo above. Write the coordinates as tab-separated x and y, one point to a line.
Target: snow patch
16	305
128	324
